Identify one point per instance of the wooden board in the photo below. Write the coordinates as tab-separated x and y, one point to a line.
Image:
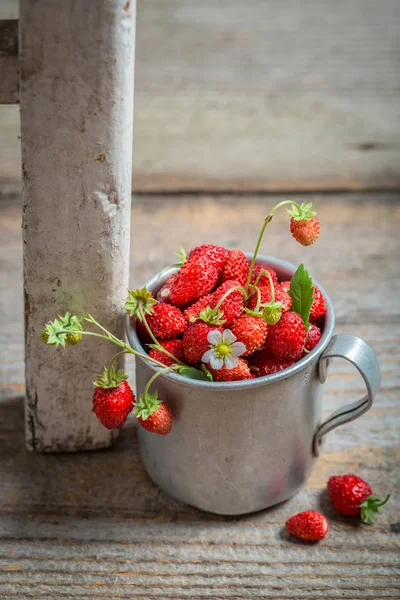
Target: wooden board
260	95
92	525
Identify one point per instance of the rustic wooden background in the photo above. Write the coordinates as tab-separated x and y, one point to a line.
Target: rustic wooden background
259	95
92	525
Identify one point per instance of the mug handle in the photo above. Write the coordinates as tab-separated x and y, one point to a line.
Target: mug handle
356	351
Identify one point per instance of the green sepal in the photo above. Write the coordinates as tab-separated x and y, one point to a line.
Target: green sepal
302	294
182	256
208	315
272	312
192	373
146	405
57	331
370	507
302	213
139	302
110	378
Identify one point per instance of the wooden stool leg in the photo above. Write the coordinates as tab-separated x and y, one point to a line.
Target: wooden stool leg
76	95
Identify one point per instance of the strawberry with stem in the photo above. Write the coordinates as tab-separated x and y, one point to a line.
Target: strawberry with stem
153	414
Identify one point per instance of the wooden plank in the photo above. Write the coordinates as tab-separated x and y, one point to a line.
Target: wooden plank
252	96
76	124
9	62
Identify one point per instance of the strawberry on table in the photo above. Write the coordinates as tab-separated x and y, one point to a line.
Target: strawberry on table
166	321
352	496
309	525
113	399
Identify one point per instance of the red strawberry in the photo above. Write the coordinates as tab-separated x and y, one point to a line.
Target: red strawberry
112	405
305	231
152	414
352	496
237	267
309	525
217	254
318	307
195	342
285	286
313	337
287	338
233	304
197	277
166	321
251	331
266	297
163	294
195	309
265	364
175	347
264	278
241	371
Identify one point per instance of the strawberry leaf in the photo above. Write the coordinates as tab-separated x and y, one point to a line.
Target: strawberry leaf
192	373
302	294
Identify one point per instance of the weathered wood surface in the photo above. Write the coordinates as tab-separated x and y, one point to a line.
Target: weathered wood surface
92	525
260	95
76	95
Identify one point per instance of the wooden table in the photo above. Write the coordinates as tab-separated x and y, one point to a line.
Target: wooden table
93	525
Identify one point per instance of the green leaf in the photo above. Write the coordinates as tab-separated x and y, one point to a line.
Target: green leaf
139	301
207	373
302	294
192	373
370	507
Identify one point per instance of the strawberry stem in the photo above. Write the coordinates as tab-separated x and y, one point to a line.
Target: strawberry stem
154	377
224	297
156	342
271	283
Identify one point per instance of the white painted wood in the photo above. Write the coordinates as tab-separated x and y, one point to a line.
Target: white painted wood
76	120
9	63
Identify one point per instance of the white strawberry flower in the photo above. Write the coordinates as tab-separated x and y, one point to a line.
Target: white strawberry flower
224	350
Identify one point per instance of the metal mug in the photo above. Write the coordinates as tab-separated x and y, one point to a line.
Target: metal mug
242	446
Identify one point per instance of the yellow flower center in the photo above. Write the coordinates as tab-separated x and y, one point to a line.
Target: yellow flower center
223	350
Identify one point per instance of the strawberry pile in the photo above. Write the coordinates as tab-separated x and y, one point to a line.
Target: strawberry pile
234	317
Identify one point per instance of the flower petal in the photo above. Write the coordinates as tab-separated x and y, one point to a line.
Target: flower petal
207	356
216	363
238	348
231	361
228	336
214	337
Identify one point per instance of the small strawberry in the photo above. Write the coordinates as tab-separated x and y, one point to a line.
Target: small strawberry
264	278
237	267
113	399
285	285
309	525
304	225
265	364
217	254
197	277
195	342
313	337
233	304
287	338
74	338
163	294
251	331
241	371
174	347
318	307
166	321
193	311
152	414
352	496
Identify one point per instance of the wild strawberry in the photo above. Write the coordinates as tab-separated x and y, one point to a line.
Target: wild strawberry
113	399
265	364
287	338
193	311
241	371
285	285
304	226
264	280
233	304
166	321
309	525
237	267
197	277
163	294
195	342
152	414
266	297
352	496
217	254
313	337
251	331
318	307
174	347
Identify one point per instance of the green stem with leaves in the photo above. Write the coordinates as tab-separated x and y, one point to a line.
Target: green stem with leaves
155	341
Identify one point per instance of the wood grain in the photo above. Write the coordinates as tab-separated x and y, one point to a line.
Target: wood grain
254	96
93	526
